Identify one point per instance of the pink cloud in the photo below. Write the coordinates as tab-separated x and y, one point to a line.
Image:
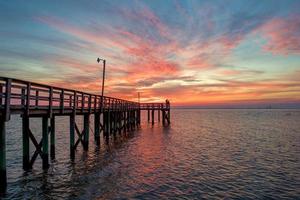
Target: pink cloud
283	35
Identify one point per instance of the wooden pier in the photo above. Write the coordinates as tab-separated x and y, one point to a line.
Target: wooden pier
111	116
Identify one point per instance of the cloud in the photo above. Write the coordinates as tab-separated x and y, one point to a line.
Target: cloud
149	55
282	35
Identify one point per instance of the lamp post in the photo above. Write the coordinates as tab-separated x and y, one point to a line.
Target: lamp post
103	77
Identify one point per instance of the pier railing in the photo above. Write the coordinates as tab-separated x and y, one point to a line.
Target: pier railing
23	97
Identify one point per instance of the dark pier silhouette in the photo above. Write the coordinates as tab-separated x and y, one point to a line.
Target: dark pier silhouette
111	116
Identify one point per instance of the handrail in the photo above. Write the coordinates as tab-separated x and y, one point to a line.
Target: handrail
26	96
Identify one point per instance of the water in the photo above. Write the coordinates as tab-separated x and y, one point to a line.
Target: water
213	154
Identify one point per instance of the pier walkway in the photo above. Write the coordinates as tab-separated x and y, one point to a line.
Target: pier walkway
111	116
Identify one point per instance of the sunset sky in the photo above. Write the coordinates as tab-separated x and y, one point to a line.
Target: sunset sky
195	53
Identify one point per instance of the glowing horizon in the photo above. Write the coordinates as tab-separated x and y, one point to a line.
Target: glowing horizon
190	52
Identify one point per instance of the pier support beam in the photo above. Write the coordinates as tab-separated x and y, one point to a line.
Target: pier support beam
169	117
105	126
148	115
72	136
52	138
139	116
45	156
158	115
153	116
3	178
163	117
86	128
97	128
25	139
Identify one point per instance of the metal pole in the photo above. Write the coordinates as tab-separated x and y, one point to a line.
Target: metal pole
103	78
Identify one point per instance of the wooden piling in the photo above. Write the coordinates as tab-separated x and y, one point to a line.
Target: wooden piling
25	140
105	125
86	128
158	114
72	136
45	156
153	116
169	116
163	116
97	128
3	178
52	138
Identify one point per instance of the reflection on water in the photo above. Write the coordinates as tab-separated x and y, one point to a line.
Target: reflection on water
203	154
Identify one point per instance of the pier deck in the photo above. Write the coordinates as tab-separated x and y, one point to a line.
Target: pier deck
111	116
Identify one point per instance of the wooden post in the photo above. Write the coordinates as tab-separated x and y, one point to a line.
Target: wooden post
163	116
36	98
72	136
114	122
7	99
153	116
72	126
82	102
52	138
25	138
50	101
3	178
105	124
1	93
139	115
169	116
128	119
86	128
23	97
70	101
148	115
28	99
97	127
45	156
158	114
124	121
62	101
120	122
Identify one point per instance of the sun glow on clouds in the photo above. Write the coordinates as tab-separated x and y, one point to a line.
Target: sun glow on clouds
183	56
